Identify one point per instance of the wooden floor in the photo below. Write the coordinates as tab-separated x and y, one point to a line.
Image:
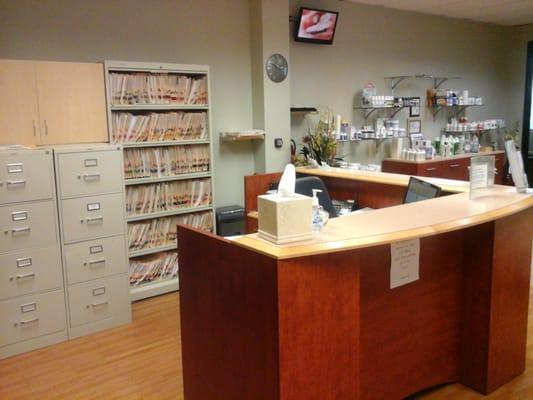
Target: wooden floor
143	361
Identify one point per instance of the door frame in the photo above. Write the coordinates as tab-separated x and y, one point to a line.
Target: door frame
527	110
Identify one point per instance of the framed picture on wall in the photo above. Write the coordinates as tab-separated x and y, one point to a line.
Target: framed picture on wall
414	108
414	126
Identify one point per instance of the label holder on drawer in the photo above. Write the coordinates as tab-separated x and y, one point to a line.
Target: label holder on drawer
99	291
93	207
96	249
90	162
19	215
15	168
24	262
26	308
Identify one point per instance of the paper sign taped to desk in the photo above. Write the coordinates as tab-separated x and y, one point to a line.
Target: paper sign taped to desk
405	262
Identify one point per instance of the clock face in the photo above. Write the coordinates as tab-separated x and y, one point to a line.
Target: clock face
277	67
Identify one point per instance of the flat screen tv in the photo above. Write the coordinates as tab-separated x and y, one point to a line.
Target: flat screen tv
316	26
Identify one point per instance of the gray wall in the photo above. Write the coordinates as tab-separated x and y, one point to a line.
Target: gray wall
374	42
216	33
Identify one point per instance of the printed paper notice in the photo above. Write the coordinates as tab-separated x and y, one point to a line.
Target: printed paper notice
479	176
405	262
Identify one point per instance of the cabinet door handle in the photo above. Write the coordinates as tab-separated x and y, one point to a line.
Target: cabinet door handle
20	182
24	276
21	230
28	321
455	165
45	128
93	219
34	128
99	304
431	169
91	177
90	263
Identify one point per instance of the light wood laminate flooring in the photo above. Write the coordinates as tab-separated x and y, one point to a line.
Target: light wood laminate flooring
143	361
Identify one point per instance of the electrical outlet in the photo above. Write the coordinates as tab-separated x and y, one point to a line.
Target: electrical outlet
278	143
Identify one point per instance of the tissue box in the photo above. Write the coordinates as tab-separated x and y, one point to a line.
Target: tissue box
284	219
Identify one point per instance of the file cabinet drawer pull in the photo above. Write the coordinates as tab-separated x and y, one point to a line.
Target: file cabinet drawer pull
20	182
98	304
27	322
455	165
23	276
90	263
21	230
92	220
431	169
91	177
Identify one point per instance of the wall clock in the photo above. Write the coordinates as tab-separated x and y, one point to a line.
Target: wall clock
277	67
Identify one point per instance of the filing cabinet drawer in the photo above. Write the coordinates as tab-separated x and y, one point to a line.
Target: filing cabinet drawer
88	173
29	271
26	175
95	259
92	217
23	226
98	300
29	317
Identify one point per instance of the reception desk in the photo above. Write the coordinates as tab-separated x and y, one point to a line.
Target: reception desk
319	320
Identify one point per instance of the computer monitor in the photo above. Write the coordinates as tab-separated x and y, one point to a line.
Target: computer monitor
418	190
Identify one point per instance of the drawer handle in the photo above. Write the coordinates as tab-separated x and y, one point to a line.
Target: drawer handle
91	177
27	322
21	230
23	276
455	165
90	263
91	220
431	169
20	182
98	304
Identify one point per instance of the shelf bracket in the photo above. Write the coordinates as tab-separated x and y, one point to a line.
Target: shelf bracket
438	82
368	113
396	111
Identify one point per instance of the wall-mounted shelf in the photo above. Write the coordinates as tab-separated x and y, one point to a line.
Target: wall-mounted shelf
368	110
457	109
304	110
437	80
253	134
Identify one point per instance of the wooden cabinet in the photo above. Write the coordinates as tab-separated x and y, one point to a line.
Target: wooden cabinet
45	102
450	168
19	110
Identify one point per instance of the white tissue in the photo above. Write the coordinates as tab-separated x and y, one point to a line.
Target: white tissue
287	182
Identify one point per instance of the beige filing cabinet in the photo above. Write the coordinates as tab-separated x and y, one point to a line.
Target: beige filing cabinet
32	298
93	227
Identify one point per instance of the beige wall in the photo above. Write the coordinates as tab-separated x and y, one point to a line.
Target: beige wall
186	31
373	42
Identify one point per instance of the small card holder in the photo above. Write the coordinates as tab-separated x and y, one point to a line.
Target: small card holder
96	249
15	168
26	308
99	291
90	162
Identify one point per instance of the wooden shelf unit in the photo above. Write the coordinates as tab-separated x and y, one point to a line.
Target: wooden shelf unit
168	284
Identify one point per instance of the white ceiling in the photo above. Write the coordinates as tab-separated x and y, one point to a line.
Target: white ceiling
503	12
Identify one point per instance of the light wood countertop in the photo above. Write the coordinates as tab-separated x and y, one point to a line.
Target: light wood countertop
386	178
451	158
403	222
